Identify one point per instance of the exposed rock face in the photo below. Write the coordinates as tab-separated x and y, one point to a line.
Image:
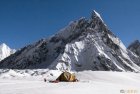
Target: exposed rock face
85	44
135	48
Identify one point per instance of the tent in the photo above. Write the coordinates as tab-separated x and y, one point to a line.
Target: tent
67	77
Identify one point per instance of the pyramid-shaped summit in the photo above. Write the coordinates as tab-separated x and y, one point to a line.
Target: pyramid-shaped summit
85	44
96	15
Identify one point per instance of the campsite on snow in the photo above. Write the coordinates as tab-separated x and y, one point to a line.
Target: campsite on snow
85	57
89	59
99	82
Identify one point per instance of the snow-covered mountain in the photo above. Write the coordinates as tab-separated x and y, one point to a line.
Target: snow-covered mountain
85	44
5	51
135	47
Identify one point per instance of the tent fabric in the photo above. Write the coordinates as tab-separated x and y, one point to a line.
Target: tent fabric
66	77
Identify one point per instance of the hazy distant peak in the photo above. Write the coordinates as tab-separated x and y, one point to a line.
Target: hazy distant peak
5	51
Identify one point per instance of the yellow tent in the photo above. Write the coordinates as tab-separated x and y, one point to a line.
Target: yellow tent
67	77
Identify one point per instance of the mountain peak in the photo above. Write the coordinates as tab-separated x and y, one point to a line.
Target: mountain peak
135	47
95	14
85	44
136	41
5	51
3	44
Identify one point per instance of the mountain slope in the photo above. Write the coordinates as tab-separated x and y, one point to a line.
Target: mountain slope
85	44
135	48
5	51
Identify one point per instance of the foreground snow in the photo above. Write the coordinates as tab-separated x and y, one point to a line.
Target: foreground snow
91	82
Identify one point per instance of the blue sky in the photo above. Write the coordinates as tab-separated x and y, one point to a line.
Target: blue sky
26	21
